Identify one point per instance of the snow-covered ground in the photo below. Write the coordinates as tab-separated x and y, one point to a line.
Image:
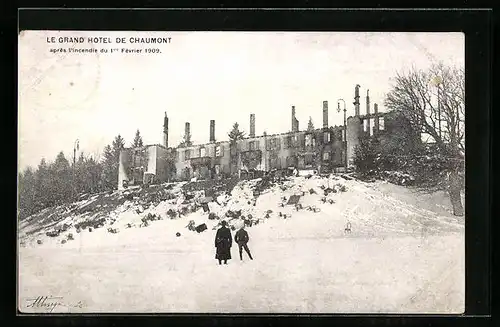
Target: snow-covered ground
405	254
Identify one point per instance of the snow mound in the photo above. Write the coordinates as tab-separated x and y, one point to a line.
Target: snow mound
321	207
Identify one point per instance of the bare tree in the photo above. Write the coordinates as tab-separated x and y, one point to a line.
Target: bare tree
433	100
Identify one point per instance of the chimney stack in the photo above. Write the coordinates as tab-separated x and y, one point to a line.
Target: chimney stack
368	110
165	130
187	129
356	100
325	114
375	112
367	102
295	122
212	131
252	125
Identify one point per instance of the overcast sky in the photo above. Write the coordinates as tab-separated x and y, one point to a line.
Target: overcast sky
201	76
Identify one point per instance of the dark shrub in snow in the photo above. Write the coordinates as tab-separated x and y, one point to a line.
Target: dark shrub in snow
201	228
212	216
329	190
171	213
144	222
177	234
38	241
191	225
398	178
54	233
233	214
70	237
341	188
184	210
90	229
151	217
63	241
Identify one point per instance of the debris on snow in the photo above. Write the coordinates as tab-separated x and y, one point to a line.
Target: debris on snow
191	225
201	228
250	203
294	199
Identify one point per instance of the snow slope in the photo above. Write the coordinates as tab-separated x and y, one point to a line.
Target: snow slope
404	255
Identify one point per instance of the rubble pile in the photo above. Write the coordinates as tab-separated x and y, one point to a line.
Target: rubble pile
203	204
149	217
212	187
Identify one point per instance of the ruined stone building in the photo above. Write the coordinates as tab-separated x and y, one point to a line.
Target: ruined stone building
323	149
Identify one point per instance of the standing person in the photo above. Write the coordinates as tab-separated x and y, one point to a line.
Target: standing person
223	243
241	237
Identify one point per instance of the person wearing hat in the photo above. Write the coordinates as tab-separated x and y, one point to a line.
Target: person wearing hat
241	237
223	243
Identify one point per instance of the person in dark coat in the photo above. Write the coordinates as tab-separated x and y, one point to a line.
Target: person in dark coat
223	243
241	237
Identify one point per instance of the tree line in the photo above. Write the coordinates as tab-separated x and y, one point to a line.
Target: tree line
63	180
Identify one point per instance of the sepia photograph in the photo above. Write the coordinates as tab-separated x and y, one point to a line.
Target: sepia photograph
241	172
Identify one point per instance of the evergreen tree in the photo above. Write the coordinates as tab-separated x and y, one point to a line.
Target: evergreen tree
107	167
365	156
79	174
118	145
137	140
63	183
42	185
235	134
310	125
88	172
186	140
93	171
26	193
111	163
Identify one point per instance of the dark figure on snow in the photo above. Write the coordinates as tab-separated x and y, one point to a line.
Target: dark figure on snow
223	243
241	237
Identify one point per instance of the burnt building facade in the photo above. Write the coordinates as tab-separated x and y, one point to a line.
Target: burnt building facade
323	149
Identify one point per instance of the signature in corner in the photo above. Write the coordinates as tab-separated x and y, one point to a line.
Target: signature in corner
50	303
